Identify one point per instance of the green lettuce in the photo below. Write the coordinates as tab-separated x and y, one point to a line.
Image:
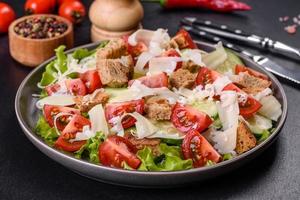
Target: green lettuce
227	156
45	131
52	68
90	149
262	136
169	160
79	54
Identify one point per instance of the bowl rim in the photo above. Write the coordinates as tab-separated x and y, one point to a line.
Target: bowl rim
33	137
64	34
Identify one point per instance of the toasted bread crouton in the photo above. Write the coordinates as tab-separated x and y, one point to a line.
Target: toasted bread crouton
179	42
140	144
245	139
115	72
190	65
251	84
158	108
86	103
182	78
114	49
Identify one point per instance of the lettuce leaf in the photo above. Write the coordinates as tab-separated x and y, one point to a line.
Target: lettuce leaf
90	149
45	131
79	54
169	160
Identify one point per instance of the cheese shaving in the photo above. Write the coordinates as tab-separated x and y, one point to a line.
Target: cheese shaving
56	100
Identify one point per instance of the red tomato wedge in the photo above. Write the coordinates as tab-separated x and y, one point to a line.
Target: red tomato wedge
135	51
206	76
51	111
186	39
91	79
248	108
173	53
186	118
76	87
62	143
118	109
116	150
252	72
74	126
197	148
153	81
50	89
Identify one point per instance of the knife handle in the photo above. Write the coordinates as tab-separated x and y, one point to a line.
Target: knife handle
213	38
222	27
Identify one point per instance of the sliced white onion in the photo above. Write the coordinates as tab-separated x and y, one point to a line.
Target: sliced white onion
62	100
215	58
142	60
163	64
271	108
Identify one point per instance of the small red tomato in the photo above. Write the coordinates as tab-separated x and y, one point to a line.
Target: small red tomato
73	11
7	15
39	6
60	2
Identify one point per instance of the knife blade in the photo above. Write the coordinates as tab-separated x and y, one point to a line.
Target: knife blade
236	34
263	61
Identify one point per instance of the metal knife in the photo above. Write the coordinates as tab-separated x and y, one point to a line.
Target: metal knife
236	34
263	61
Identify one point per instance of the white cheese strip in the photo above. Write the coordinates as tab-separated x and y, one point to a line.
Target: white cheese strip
215	58
193	55
228	109
163	64
57	100
262	94
98	120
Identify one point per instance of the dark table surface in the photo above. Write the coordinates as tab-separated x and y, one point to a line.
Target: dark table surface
26	173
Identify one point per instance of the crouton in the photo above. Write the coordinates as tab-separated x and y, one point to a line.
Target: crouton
245	139
86	103
179	42
190	65
140	144
182	78
251	84
114	49
158	108
115	72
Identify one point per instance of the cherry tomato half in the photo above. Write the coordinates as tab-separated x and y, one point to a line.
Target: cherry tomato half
135	51
74	126
186	118
39	6
62	143
91	80
51	111
51	89
76	86
248	108
7	16
186	40
73	11
115	150
118	109
197	148
206	76
153	81
252	72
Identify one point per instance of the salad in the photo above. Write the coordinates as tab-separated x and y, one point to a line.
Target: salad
152	102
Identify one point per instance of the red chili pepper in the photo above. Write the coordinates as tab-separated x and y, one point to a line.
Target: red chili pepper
216	5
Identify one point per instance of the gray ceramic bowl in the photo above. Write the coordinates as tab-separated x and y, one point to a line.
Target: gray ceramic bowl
27	116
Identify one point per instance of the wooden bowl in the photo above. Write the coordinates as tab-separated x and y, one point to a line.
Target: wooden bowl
32	52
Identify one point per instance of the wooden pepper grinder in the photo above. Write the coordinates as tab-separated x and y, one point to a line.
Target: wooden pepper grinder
114	18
